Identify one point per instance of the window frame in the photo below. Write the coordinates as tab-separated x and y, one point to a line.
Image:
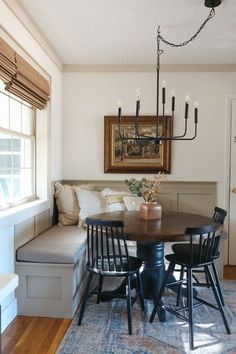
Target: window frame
11	133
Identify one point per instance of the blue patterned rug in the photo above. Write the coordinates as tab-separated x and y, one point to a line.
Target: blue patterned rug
104	329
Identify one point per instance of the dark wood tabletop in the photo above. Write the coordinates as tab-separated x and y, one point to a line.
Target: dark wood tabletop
171	227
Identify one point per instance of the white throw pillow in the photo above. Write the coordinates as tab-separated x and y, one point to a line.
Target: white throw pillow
132	203
90	203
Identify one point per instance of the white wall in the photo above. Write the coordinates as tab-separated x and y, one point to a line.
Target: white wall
88	97
13	29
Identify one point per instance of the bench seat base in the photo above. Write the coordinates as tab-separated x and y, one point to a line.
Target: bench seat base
50	290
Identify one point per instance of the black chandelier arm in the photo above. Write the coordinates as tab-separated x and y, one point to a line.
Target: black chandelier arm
184	133
143	138
180	137
149	137
211	14
161	138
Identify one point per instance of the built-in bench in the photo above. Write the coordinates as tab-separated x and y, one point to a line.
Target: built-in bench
51	265
51	270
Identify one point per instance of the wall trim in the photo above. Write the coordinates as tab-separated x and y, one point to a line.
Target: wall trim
150	68
228	122
18	11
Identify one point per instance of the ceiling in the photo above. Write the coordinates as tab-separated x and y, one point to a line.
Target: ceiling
123	32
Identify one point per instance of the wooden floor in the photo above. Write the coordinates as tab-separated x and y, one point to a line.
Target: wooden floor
41	335
35	335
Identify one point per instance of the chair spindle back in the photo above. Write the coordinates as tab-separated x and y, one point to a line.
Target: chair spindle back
204	244
106	245
219	215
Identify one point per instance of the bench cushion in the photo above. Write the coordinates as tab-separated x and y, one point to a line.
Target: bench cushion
59	244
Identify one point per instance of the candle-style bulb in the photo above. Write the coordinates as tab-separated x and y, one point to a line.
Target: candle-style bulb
138	94
187	98
196	105
119	104
163	83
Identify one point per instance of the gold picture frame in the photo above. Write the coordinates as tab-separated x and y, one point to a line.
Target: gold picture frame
128	156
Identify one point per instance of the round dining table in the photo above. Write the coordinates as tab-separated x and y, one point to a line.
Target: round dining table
151	235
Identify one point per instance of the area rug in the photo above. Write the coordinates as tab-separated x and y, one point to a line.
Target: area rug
104	329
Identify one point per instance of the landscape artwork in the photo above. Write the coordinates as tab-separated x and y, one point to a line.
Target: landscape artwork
129	155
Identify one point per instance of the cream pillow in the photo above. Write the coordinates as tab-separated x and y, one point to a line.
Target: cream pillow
133	203
67	204
90	203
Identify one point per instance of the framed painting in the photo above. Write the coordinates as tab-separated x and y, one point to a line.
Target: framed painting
127	156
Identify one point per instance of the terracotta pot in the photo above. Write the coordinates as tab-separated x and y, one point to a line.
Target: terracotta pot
150	211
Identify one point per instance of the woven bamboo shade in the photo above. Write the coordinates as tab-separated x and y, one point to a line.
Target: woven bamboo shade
7	62
21	78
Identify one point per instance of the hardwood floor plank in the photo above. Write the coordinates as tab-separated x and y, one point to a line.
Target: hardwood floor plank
34	335
59	336
13	333
230	272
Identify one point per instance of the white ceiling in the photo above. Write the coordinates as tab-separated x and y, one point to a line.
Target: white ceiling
123	32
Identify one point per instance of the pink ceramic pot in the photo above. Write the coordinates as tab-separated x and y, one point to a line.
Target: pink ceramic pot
150	211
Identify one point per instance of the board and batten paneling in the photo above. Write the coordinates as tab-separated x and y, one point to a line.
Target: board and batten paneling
195	197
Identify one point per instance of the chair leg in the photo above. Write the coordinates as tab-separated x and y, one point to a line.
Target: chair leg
218	283
218	301
180	285
140	289
99	289
190	306
129	305
161	291
85	298
208	283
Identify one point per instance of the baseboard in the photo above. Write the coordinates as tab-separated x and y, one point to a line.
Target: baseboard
9	313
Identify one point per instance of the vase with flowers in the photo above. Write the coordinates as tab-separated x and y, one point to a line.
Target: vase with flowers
149	189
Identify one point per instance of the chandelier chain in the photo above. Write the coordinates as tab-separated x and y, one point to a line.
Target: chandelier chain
211	14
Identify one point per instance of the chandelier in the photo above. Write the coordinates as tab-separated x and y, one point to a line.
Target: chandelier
158	138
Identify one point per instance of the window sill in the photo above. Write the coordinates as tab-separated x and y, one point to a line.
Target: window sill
18	214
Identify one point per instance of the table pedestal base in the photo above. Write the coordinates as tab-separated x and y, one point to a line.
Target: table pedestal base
153	267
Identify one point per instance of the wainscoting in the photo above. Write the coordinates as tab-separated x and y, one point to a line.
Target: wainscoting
192	197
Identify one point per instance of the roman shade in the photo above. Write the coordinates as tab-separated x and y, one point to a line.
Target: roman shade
21	78
7	62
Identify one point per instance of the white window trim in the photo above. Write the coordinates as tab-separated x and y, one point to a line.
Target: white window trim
18	214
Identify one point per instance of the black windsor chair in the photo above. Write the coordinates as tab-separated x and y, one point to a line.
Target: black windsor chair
201	251
108	256
181	248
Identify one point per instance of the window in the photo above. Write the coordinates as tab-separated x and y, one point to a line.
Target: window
17	150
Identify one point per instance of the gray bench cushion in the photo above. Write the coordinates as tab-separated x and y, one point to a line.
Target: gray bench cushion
59	244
